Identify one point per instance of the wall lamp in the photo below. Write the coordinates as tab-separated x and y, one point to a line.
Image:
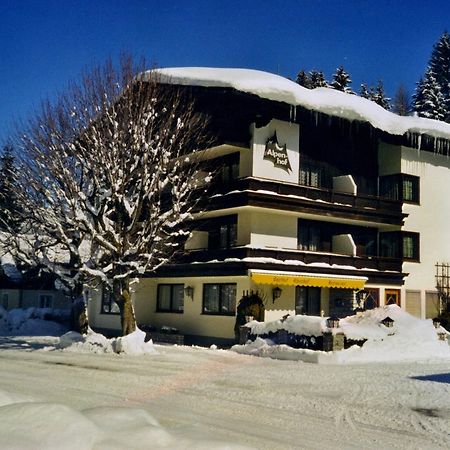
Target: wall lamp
276	293
189	291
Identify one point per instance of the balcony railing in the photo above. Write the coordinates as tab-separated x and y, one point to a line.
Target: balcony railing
293	258
254	190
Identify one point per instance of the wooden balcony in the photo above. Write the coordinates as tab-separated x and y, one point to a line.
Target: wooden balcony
294	197
296	258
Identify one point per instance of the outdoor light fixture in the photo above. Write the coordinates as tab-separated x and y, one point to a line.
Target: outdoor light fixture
388	322
276	293
189	291
333	322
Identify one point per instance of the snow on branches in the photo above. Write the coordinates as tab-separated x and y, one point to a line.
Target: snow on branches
107	184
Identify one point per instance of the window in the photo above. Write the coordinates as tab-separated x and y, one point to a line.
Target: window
5	301
45	301
229	170
389	245
410	189
310	175
400	187
369	298
109	306
170	298
411	246
219	298
405	245
309	236
307	301
432	304
223	233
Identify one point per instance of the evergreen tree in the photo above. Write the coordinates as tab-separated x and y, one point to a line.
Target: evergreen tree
303	79
9	207
379	97
364	91
317	79
341	81
428	100
434	87
402	103
440	65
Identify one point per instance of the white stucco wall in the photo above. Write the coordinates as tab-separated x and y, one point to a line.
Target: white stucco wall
197	240
191	321
267	228
431	218
287	133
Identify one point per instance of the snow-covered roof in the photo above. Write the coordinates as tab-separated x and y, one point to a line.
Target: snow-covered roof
324	100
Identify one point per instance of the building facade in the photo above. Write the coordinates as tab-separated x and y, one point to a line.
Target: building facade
313	210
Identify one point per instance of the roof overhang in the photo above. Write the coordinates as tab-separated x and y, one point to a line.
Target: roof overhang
273	277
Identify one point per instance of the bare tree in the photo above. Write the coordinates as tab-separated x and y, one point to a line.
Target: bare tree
109	180
402	102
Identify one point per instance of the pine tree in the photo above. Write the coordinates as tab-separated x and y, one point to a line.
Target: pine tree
341	81
401	104
379	97
317	79
9	208
303	79
428	100
436	78
364	91
440	65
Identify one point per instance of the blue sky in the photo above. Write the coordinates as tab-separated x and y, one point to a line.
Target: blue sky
46	43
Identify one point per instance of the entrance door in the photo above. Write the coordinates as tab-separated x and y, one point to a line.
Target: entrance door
392	297
307	301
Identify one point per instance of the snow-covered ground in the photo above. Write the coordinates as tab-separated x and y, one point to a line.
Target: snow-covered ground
188	397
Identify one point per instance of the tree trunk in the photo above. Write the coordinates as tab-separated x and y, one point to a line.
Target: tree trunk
79	317
122	296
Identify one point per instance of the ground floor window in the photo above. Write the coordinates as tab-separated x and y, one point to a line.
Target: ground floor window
342	302
392	297
170	298
413	303
369	298
5	301
109	306
432	304
45	301
307	300
219	298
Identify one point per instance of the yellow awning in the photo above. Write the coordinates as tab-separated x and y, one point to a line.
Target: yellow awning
305	279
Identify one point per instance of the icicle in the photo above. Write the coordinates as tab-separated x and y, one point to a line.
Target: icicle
295	114
419	141
290	113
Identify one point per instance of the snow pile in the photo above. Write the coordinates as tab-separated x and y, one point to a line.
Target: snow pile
301	325
325	100
410	338
132	344
28	425
33	322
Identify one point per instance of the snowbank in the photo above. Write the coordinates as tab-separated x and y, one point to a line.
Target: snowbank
325	100
133	344
28	425
410	339
33	322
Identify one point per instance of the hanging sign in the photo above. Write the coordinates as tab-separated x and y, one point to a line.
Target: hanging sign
277	154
